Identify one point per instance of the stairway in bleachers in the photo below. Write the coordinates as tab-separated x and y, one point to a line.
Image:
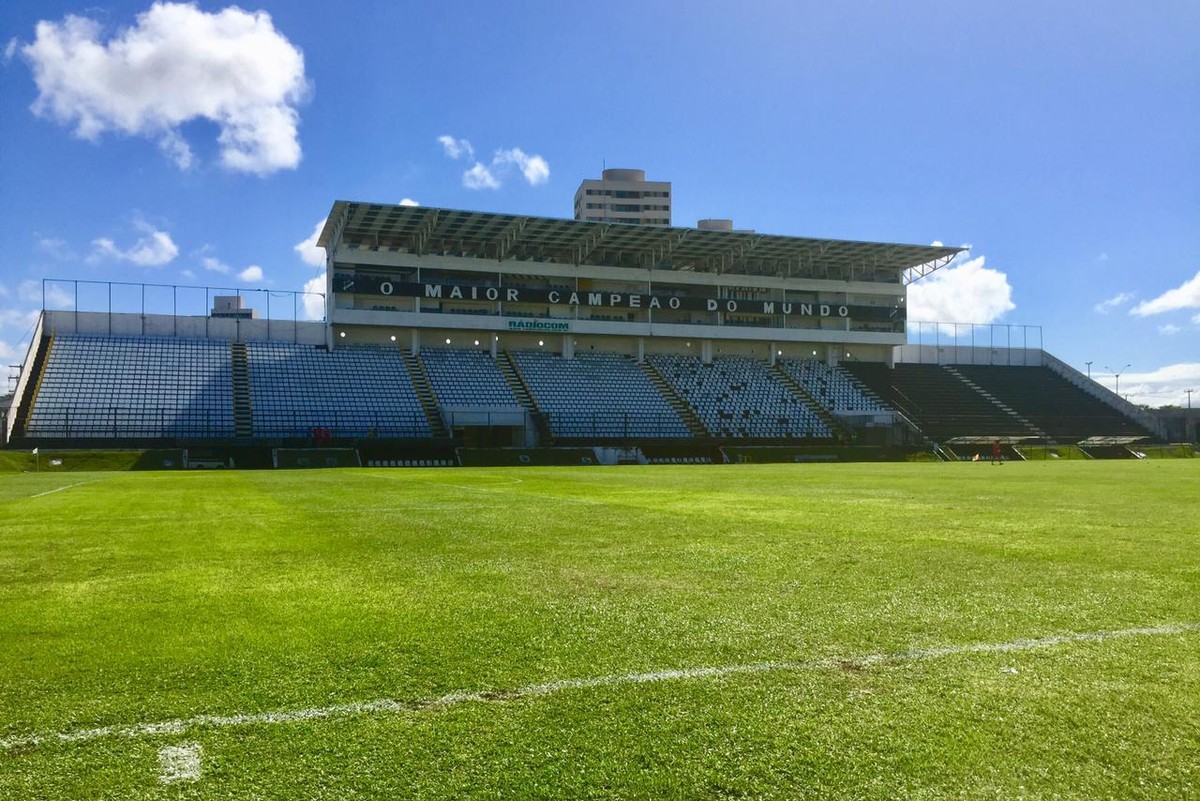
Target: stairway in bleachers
243	414
31	387
737	398
1066	412
799	390
513	378
1034	430
938	402
686	413
994	400
425	394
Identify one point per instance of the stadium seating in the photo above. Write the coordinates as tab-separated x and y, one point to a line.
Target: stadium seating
832	387
940	404
1065	412
134	387
352	392
736	397
466	378
597	396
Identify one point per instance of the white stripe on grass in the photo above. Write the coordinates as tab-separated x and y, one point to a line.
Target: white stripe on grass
60	489
394	706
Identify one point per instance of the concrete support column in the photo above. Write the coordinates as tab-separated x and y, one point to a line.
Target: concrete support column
641	357
706	351
772	354
568	347
495	345
416	341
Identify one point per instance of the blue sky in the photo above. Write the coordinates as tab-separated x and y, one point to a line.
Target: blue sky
201	144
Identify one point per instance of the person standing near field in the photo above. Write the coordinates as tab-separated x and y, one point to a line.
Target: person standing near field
996	456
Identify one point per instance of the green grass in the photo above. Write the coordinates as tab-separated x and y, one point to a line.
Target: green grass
144	597
74	461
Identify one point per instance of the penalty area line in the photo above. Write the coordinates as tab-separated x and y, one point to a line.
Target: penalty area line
60	489
395	706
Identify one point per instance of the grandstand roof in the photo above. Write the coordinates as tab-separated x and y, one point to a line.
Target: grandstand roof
477	234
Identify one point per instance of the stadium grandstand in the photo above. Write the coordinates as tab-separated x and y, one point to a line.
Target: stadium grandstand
453	337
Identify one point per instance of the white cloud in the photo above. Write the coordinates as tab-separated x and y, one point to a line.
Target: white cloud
55	248
215	265
56	296
313	300
456	148
309	252
1170	329
19	318
534	168
188	274
10	49
251	274
968	292
1184	296
1163	386
4	293
1119	299
175	65
479	177
154	249
12	352
408	201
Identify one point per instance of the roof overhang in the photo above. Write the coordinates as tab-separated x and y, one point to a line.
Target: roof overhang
425	230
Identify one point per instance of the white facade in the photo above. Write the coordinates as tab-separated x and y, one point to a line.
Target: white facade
421	277
624	196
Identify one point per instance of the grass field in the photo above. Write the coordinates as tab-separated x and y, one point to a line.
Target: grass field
785	631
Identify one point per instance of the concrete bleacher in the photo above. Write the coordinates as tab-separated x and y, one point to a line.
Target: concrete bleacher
994	400
133	387
1064	411
832	387
940	403
736	397
597	395
352	392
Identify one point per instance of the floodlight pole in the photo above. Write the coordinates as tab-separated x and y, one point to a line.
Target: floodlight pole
1117	375
1189	394
1089	367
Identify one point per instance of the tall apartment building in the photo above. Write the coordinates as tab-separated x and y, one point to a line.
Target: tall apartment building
624	196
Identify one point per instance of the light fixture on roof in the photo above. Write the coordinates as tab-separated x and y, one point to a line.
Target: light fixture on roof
342	335
447	340
477	342
393	337
540	343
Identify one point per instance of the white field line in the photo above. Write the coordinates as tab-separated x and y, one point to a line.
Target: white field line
179	763
60	489
394	706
